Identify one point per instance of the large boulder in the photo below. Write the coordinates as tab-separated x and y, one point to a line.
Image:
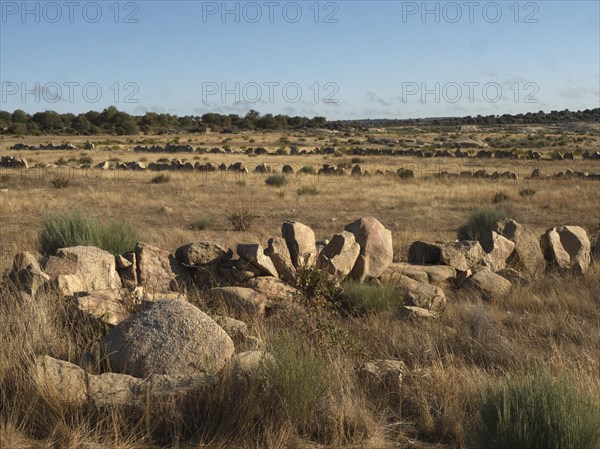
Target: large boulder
274	289
419	294
239	301
567	248
301	243
382	376
69	384
127	269
527	255
171	337
339	255
157	269
27	275
376	248
95	266
458	255
440	275
202	254
497	250
488	284
106	306
254	253
67	284
279	254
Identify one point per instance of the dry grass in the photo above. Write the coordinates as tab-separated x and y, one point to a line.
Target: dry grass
553	323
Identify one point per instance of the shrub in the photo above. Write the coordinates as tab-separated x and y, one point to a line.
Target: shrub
364	298
60	182
73	228
161	179
86	160
298	378
481	221
276	180
527	192
61	161
308	170
202	224
538	412
318	288
241	220
500	197
356	160
308	190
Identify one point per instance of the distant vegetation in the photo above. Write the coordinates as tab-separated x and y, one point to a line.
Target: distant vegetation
113	121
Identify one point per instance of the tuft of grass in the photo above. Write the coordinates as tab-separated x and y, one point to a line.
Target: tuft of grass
202	224
308	170
161	179
74	228
481	221
276	180
308	190
365	298
538	411
500	197
241	220
62	161
60	182
527	192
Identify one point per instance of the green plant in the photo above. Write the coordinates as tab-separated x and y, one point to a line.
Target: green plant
202	224
86	160
241	220
318	288
527	192
74	228
308	170
481	221
500	197
61	161
538	412
365	298
308	190
60	182
161	179
276	180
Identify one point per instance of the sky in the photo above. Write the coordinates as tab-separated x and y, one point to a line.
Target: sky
341	60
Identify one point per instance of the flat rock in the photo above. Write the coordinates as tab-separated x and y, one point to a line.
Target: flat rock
203	253
488	284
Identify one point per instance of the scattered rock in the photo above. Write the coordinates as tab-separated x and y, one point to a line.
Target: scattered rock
567	248
171	337
255	254
489	284
382	375
279	254
339	255
27	275
301	243
527	254
240	301
104	305
127	269
459	255
416	312
95	266
497	248
274	289
376	248
157	270
202	254
420	294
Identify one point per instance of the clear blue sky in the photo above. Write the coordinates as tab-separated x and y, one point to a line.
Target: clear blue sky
377	56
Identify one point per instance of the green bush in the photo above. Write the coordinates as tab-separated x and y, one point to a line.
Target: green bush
538	412
500	197
298	378
202	224
318	288
364	298
241	220
527	192
60	182
308	170
481	221
308	190
74	228
161	179
276	180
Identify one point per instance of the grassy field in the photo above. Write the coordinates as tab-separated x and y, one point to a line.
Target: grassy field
551	326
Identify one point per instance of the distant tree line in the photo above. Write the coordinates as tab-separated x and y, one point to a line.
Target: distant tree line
113	121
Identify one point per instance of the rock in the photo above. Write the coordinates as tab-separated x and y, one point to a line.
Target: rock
439	275
376	248
596	251
417	293
202	254
527	255
157	270
172	337
104	305
497	248
382	375
255	254
127	269
240	301
339	255
489	284
27	275
249	362
300	240
274	289
459	255
406	269
67	284
567	248
69	384
95	266
417	312
279	254
237	331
